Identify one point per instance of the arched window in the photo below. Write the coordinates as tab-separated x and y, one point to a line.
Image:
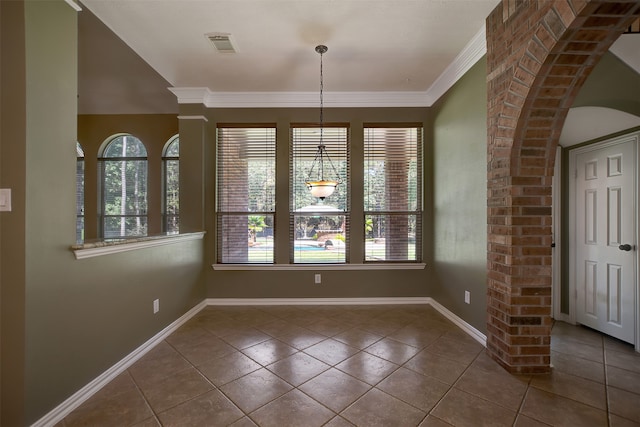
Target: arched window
123	166
171	186
79	193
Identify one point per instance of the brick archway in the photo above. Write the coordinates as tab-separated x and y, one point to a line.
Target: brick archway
539	54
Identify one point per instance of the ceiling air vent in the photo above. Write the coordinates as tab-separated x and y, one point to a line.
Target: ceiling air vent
222	42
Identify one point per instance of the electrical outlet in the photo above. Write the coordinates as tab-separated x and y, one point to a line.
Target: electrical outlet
156	306
467	297
5	199
318	279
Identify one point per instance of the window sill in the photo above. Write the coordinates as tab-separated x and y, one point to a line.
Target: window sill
315	267
112	246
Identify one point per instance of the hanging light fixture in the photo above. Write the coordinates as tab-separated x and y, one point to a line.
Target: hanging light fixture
318	185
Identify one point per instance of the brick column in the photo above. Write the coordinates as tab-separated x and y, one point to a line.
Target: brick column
539	54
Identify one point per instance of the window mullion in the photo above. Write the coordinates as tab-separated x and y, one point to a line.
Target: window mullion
357	193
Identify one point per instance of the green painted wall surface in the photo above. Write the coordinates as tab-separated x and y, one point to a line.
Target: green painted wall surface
82	316
612	84
459	196
12	224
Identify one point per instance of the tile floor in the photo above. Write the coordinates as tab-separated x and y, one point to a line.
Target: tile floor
364	366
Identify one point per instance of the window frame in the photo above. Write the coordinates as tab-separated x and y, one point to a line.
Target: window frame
165	160
102	163
283	241
338	149
225	211
80	192
390	212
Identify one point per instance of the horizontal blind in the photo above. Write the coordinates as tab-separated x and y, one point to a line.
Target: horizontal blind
392	167
246	166
246	193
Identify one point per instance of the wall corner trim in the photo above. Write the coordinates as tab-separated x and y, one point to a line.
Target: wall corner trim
193	118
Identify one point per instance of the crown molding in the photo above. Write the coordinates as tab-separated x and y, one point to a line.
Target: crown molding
75	6
189	95
472	53
467	58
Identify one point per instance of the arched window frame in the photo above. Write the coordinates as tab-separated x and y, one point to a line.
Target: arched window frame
130	166
171	186
79	193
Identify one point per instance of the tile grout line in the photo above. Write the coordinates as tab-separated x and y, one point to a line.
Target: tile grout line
524	397
606	381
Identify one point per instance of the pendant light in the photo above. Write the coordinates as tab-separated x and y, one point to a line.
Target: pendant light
318	185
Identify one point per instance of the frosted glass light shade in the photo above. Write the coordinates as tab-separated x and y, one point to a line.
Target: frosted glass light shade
322	188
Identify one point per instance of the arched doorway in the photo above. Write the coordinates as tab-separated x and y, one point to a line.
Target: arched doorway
538	57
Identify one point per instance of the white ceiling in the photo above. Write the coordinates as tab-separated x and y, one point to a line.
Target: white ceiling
627	48
399	46
381	52
587	123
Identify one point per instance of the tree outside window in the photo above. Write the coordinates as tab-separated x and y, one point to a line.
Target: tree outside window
124	187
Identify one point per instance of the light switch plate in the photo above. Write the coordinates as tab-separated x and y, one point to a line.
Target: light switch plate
5	200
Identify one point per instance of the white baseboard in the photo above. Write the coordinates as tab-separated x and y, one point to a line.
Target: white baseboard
317	301
470	330
78	398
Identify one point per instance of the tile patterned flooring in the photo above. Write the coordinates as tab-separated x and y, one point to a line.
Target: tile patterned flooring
360	365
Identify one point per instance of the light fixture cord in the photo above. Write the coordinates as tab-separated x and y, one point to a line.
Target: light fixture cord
321	118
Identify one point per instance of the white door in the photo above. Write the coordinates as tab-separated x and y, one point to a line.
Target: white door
605	237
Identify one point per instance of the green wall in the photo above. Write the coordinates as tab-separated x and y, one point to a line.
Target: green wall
67	321
459	197
12	224
612	84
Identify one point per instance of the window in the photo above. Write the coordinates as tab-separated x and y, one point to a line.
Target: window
392	193
171	186
123	166
79	193
246	182
389	192
319	229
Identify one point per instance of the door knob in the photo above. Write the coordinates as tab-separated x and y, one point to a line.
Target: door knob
625	247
